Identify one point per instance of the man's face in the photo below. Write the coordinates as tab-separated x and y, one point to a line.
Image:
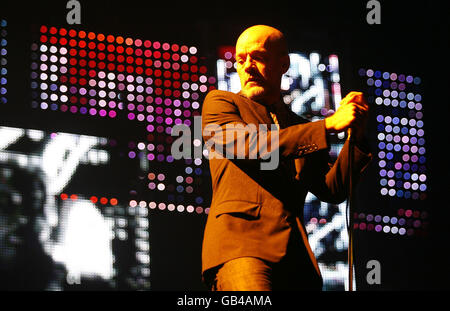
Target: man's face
260	65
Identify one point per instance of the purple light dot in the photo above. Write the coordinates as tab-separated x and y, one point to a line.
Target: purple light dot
150	128
73	109
102	112
92	102
168	111
83	110
131	116
167	102
398	165
169	121
158	100
140	117
131	154
159	119
378	228
112	114
92	112
160	157
112	104
150	156
169	130
187	113
140	108
178	121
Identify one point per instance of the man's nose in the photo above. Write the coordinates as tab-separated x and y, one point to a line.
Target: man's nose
248	65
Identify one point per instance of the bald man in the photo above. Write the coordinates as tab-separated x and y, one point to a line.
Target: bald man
254	237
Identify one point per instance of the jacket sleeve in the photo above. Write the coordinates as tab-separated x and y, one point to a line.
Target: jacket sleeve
330	182
224	128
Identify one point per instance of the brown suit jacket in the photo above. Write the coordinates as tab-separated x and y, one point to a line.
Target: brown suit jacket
256	212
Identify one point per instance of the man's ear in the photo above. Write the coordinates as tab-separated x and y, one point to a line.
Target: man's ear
285	63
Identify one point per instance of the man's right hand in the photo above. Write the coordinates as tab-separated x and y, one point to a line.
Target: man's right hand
352	113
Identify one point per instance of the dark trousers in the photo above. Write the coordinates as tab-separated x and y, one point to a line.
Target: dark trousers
294	272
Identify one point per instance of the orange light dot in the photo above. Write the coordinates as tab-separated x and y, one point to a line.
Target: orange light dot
100	37
82	34
129	41
119	40
91	35
113	201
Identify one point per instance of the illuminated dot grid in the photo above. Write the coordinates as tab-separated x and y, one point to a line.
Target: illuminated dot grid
406	222
401	142
3	61
157	84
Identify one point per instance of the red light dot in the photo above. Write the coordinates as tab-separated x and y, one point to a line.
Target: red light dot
53	40
103	200
91	35
73	197
91	45
175	47
82	44
147	43
82	34
184	49
94	199
63	41
43	29
72	33
101	46
62	31
53	30
100	37
43	38
129	51
110	38
113	201
64	196
120	49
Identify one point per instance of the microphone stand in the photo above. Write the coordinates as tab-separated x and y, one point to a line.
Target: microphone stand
350	204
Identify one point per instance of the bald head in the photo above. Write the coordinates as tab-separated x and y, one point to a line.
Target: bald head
262	58
269	37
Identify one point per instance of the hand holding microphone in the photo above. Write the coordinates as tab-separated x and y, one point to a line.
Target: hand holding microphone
351	115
